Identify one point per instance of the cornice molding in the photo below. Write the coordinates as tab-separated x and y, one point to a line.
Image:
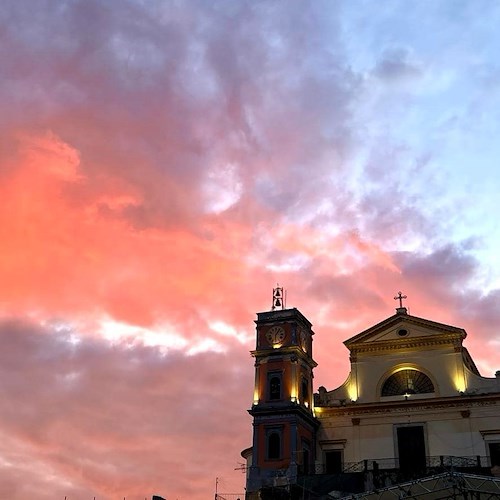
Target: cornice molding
408	406
451	340
262	415
333	442
490	432
286	352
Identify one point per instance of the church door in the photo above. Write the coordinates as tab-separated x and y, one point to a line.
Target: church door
333	462
411	448
495	453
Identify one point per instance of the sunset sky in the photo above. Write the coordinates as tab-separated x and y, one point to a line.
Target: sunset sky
163	164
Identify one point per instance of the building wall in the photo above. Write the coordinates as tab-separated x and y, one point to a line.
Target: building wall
459	418
447	431
442	366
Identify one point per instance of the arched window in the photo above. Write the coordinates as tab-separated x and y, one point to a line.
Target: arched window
407	382
275	387
274	445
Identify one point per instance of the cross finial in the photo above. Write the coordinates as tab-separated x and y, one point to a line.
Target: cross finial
400	297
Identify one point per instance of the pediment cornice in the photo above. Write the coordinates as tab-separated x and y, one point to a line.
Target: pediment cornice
439	334
408	343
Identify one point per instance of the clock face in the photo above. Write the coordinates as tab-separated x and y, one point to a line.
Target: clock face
275	335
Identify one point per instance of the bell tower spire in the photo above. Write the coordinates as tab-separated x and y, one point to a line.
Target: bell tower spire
279	298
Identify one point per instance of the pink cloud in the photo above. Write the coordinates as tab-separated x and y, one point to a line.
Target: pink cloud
117	421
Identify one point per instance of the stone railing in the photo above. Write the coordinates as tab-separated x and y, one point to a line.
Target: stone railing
431	462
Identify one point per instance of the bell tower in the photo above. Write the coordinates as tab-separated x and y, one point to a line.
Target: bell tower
284	425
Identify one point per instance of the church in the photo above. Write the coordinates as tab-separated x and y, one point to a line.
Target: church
414	408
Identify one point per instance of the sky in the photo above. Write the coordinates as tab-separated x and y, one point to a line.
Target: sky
164	164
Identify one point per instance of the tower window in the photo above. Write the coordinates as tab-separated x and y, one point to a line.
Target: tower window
274	386
274	445
305	390
305	462
407	382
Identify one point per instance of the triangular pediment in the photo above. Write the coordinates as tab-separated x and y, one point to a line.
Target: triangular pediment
403	328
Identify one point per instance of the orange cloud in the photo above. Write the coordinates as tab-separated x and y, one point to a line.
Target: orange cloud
64	258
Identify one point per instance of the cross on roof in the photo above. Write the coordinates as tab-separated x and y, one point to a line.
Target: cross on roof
400	297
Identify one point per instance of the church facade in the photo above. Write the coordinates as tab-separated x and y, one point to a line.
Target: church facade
413	405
